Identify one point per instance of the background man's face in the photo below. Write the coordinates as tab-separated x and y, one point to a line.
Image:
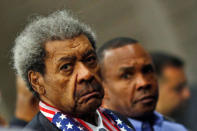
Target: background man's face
173	90
70	80
129	81
26	103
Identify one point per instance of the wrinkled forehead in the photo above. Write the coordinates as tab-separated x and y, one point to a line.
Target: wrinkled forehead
133	54
75	46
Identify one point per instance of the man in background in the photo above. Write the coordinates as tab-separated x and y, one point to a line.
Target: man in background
173	89
3	122
26	105
130	84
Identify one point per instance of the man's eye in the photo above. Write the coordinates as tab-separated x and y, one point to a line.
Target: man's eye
148	69
126	75
179	88
66	67
91	60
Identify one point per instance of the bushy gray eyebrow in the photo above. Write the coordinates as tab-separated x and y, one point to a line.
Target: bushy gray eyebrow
87	53
67	58
127	68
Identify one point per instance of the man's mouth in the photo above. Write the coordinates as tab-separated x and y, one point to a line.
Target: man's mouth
89	95
147	99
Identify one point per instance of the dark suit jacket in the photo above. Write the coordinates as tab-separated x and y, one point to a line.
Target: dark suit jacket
16	122
41	123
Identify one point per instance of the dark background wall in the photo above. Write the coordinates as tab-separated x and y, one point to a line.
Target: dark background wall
166	25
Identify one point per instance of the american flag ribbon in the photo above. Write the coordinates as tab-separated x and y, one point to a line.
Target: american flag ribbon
67	123
114	118
47	110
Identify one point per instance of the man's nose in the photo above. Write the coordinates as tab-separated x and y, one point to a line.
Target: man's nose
83	74
142	82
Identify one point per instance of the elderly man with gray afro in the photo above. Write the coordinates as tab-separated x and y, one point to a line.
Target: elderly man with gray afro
55	55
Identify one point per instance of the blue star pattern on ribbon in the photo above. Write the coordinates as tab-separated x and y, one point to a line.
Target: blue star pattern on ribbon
122	126
67	123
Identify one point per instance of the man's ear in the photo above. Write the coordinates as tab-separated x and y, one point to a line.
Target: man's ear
104	84
36	80
106	98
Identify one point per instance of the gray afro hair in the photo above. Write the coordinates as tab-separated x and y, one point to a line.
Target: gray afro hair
28	51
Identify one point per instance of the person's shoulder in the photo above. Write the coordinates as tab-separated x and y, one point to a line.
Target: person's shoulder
34	123
40	123
16	122
171	124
